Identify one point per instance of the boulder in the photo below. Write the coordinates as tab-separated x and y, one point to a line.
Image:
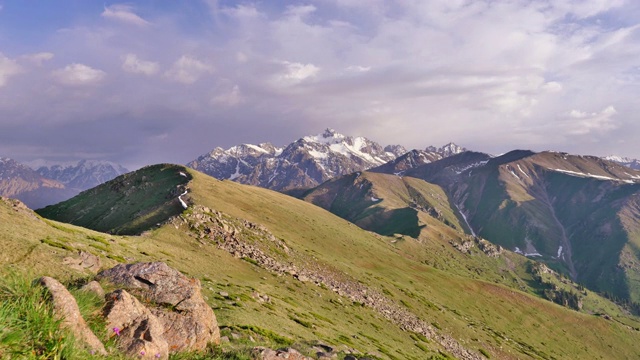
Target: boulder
84	261
189	323
94	287
262	353
139	332
66	308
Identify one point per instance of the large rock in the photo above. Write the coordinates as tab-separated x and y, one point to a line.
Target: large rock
66	308
192	324
139	332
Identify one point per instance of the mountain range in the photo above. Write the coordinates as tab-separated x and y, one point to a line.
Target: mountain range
385	253
42	183
306	162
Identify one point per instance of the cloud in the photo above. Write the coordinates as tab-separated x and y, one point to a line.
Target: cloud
131	63
583	123
8	69
38	58
78	74
232	98
123	13
297	72
188	70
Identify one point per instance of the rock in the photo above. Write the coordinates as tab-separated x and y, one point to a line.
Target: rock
84	261
66	308
224	294
140	333
262	353
224	339
190	323
350	357
94	287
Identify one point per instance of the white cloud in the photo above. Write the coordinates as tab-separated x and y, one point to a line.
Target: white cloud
78	74
232	98
38	58
123	13
188	70
358	68
583	123
131	63
8	68
296	72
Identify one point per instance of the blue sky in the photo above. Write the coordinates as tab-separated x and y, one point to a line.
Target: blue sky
165	81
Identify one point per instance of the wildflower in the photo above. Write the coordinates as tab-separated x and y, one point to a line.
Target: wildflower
158	356
142	353
117	331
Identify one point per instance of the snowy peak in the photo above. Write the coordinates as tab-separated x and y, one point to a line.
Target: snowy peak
303	163
80	175
628	162
446	150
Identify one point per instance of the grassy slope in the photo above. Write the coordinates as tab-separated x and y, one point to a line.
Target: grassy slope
501	320
477	312
513	203
129	204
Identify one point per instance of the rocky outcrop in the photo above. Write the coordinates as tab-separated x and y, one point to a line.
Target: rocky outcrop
188	322
66	308
139	331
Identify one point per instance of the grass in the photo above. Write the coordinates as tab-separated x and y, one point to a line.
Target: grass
28	329
469	296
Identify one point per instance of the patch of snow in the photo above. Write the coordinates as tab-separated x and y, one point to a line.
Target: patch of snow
518	251
184	204
374	199
464	217
474	165
522	171
183	174
560	251
256	148
278	151
579	174
532	254
237	173
317	154
514	174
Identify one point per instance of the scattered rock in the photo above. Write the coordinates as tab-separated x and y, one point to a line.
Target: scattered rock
94	287
224	294
262	353
66	308
84	261
139	332
192	324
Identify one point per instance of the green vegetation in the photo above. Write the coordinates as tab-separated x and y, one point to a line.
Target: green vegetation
492	304
128	204
28	329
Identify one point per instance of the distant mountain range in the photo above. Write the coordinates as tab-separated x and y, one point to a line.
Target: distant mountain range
307	162
50	183
578	214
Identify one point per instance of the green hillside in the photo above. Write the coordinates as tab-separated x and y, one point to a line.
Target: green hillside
326	279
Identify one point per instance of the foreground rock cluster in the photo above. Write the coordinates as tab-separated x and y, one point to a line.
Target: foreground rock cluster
155	311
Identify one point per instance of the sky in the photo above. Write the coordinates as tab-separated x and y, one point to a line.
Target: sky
144	82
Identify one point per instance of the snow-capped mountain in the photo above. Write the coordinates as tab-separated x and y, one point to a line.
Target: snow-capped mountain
628	162
447	150
304	163
19	181
80	175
